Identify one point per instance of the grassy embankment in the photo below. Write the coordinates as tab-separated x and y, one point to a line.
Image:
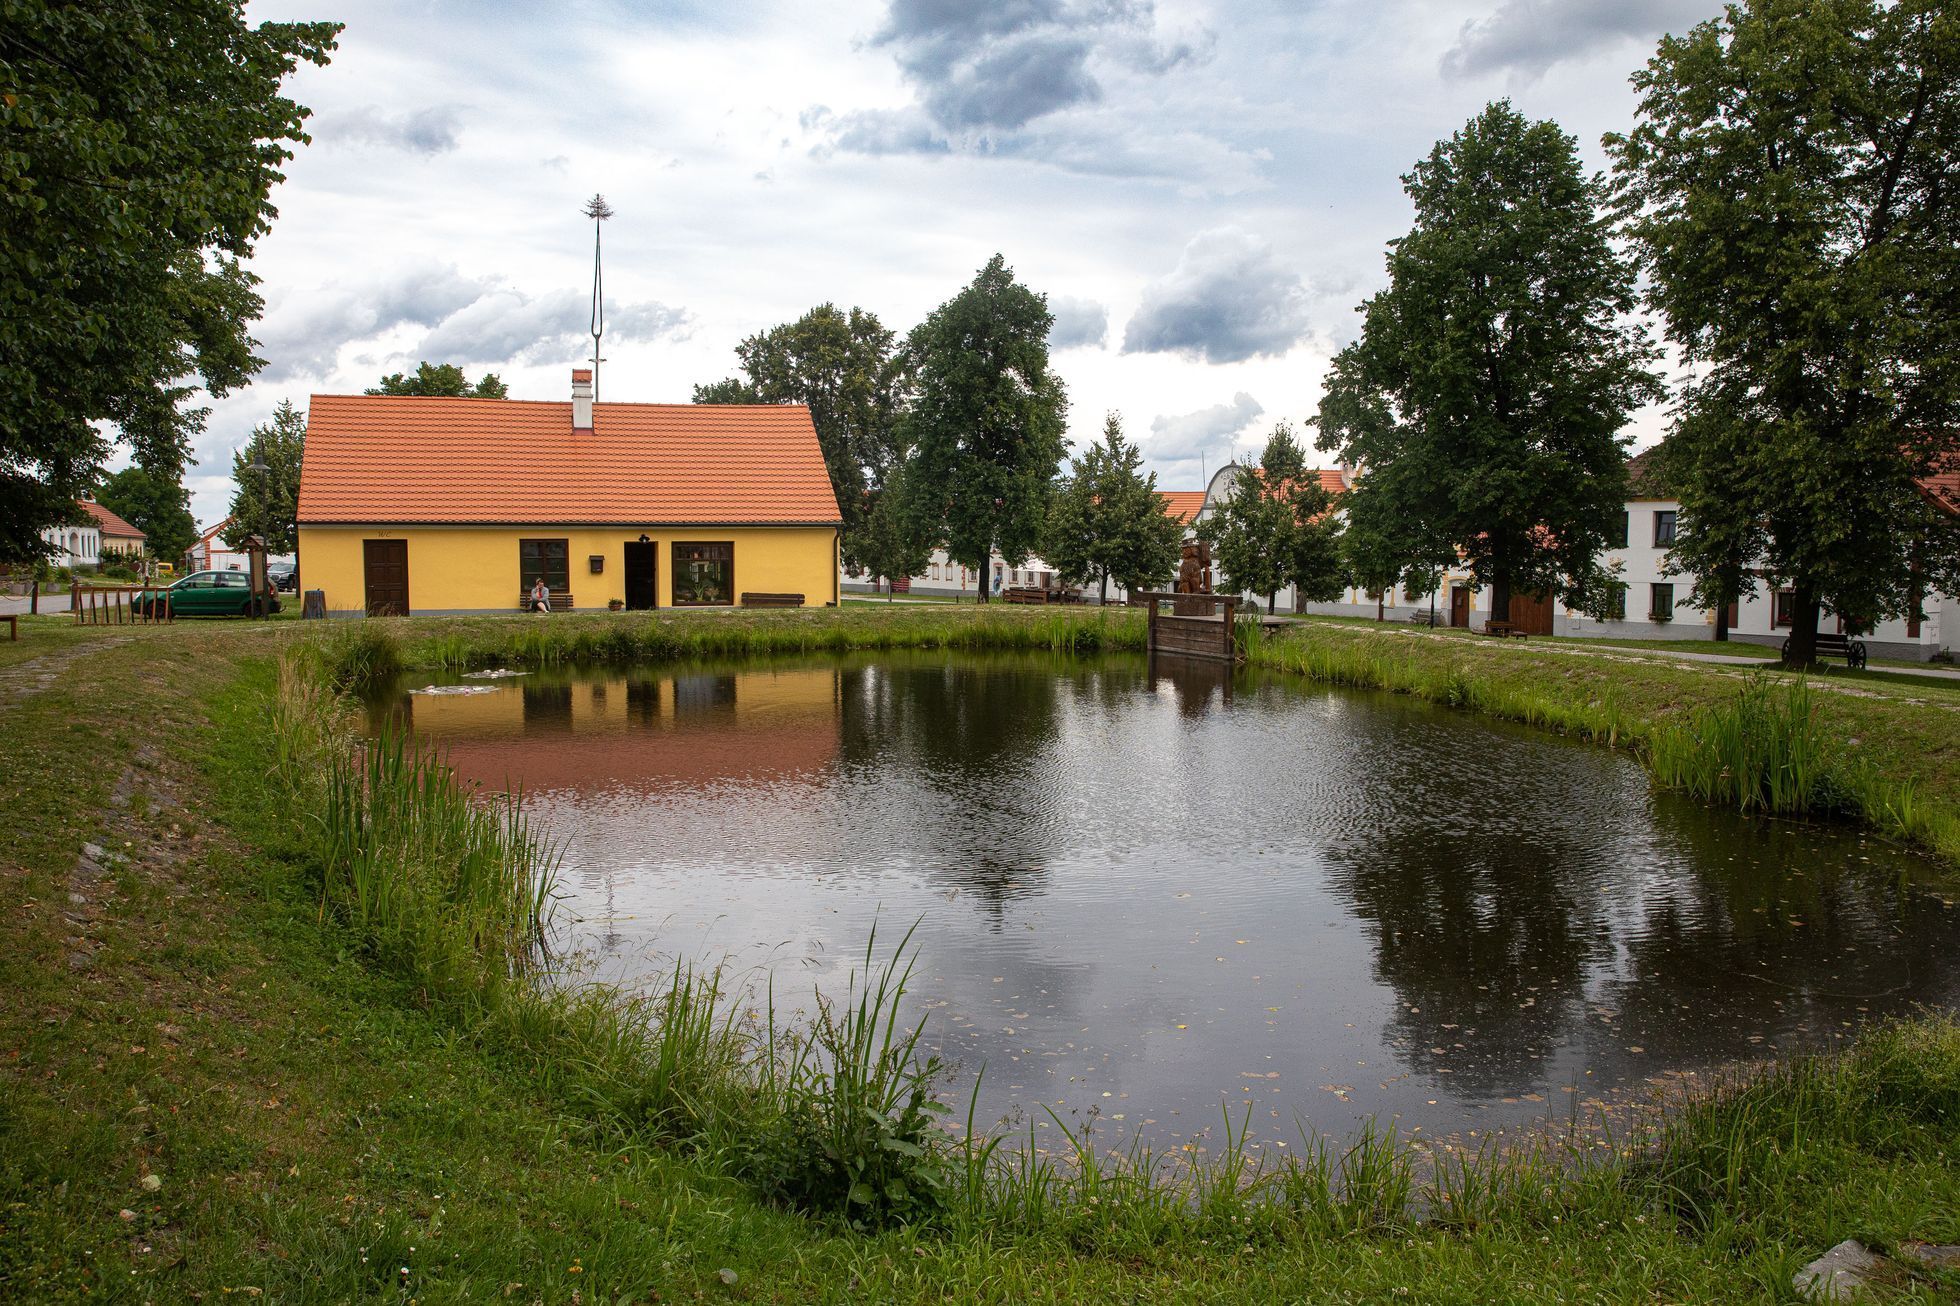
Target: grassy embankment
353	1088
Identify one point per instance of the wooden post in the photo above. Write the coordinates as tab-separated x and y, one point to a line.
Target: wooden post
74	602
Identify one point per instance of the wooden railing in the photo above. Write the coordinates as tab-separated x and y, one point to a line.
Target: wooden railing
119	605
1196	625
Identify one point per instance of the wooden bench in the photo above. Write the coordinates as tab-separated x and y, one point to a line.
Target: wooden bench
1030	594
1505	630
750	599
1426	619
1848	647
559	602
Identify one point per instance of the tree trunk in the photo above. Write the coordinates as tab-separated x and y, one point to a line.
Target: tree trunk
1381	604
1803	629
1270	599
1102	595
1722	621
1500	599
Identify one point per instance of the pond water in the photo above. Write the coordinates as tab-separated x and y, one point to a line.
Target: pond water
1143	892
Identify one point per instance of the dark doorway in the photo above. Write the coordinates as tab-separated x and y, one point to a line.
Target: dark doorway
640	564
386	566
1460	605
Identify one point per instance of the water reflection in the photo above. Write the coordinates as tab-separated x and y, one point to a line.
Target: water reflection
1146	890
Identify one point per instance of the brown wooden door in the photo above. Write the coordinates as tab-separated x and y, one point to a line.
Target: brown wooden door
1460	605
386	565
1532	613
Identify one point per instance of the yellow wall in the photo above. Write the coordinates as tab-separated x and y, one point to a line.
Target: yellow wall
475	569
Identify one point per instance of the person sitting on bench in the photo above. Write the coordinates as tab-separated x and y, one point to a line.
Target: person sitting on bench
540	596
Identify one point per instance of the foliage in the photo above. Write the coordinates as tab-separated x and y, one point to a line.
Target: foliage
845	369
155	505
1108	522
891	540
1277	528
1789	186
266	503
142	143
442	380
987	420
1485	396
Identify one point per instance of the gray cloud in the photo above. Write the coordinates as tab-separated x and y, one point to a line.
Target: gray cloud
303	335
1526	37
1228	299
506	326
1185	436
431	131
1078	322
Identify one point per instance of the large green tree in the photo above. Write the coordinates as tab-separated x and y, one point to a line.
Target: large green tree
142	140
265	500
1484	399
987	420
1107	521
846	368
160	508
893	539
1276	528
1791	183
442	380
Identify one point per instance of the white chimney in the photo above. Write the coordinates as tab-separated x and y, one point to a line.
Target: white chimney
581	399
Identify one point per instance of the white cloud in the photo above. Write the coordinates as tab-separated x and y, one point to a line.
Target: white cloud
1185	436
1229	299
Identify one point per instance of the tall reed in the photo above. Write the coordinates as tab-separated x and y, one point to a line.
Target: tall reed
1762	751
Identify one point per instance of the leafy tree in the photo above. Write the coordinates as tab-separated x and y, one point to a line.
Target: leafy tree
892	541
987	419
142	143
846	369
1485	396
1720	531
1789	184
266	503
442	380
160	508
1275	528
1107	521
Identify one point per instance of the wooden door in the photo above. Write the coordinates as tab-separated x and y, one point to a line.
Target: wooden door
642	560
1532	613
386	565
1460	605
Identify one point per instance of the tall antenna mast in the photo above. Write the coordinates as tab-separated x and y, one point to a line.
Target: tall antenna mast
598	210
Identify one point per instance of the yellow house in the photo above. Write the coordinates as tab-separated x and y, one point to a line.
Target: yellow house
441	505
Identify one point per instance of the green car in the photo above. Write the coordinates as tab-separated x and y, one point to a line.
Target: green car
204	594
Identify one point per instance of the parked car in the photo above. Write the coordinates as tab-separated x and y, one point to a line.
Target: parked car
283	575
203	594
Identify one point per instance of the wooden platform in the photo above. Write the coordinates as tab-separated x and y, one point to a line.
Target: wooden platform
1193	625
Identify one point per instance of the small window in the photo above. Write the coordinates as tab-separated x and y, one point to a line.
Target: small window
1663	529
1616	601
1662	606
1785	612
1616	536
704	575
1409	592
549	559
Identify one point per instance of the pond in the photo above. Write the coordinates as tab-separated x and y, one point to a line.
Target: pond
1142	892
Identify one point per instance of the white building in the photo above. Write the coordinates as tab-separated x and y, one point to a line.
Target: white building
212	554
84	543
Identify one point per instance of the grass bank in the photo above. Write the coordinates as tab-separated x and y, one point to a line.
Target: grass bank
236	1072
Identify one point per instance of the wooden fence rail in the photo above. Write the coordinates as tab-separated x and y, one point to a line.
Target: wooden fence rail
119	605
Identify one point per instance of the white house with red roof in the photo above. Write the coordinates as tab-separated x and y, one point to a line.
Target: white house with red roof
86	543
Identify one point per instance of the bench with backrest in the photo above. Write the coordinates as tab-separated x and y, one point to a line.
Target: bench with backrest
751	599
1504	629
559	602
1848	647
1030	594
1425	618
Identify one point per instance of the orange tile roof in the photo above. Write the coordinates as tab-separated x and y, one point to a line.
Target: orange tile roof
413	459
1182	505
111	526
1330	480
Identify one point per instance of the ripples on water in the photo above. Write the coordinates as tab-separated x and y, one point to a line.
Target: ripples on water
1143	893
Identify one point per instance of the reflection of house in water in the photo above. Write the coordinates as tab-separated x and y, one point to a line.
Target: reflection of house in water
648	734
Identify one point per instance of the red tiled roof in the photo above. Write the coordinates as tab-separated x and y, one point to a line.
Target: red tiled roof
111	526
1182	505
415	459
1330	480
1943	486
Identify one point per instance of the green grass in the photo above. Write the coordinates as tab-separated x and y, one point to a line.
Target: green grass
326	1124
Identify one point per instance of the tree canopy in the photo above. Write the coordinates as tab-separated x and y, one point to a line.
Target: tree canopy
1790	185
266	503
1484	399
1107	521
1275	527
160	508
846	369
143	140
442	380
987	419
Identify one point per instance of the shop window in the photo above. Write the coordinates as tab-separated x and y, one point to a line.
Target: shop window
704	575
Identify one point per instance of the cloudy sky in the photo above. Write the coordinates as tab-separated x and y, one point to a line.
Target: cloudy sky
1202	189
